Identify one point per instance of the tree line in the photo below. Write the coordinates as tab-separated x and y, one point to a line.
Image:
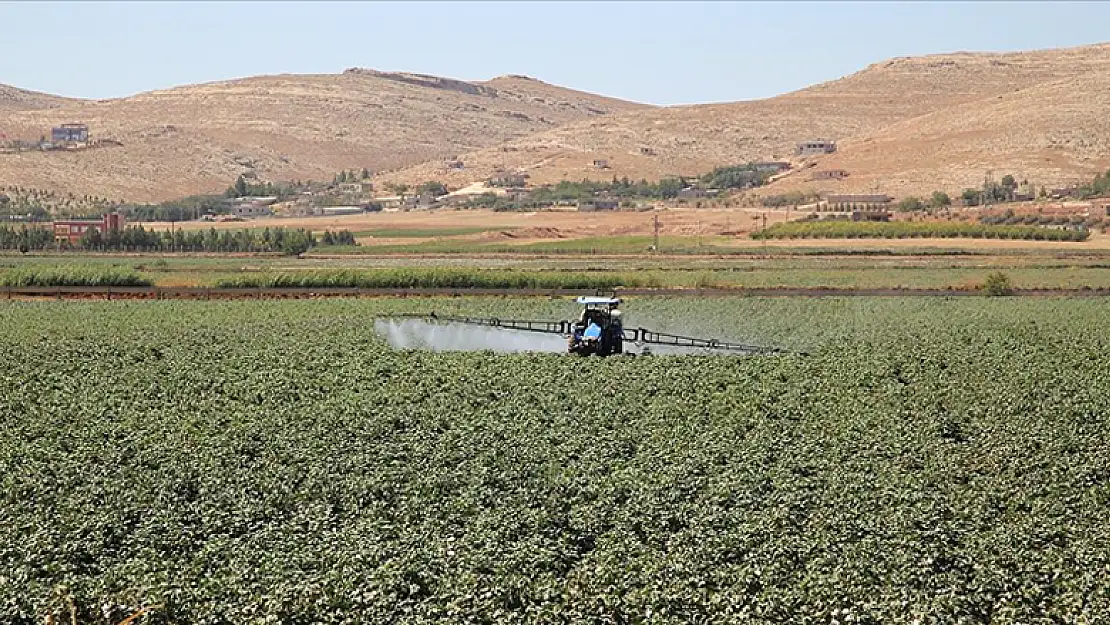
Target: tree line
138	239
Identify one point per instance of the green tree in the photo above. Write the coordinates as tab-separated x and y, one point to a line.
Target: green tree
240	187
911	204
970	197
940	199
396	188
433	187
365	173
1008	181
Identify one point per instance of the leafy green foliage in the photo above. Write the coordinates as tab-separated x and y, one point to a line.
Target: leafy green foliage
72	275
40	204
914	229
934	461
440	277
998	283
342	237
735	177
25	238
911	204
183	209
434	188
1099	186
246	188
794	198
138	239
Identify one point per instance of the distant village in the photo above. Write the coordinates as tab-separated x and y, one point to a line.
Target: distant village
355	192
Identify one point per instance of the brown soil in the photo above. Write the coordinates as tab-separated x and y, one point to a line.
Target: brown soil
198	138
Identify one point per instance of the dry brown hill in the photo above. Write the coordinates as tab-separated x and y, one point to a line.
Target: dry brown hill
198	138
1052	134
879	100
14	99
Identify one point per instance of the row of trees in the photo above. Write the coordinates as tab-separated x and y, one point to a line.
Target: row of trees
352	176
736	177
138	239
939	200
1098	187
40	204
907	229
794	198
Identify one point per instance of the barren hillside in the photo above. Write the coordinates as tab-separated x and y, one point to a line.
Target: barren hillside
198	138
14	99
876	100
1051	134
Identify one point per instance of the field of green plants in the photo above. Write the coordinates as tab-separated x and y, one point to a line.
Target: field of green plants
441	277
837	229
1070	269
932	461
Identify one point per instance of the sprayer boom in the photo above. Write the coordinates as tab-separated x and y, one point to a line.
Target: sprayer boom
632	335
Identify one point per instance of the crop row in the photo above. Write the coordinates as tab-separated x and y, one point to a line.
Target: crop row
932	461
836	229
71	275
442	277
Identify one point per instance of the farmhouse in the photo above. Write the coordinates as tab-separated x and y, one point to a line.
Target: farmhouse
598	204
858	201
829	174
356	187
392	203
601	163
693	193
72	230
815	146
507	179
338	210
70	134
252	206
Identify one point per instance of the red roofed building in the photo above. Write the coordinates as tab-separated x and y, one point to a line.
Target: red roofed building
72	230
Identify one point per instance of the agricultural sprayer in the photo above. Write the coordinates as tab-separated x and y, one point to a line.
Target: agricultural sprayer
599	331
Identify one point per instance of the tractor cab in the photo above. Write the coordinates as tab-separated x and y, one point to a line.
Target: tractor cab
598	329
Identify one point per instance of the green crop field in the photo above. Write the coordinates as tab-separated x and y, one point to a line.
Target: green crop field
907	229
1046	271
932	461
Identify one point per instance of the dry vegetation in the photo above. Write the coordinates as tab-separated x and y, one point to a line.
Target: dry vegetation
910	124
198	138
904	126
13	99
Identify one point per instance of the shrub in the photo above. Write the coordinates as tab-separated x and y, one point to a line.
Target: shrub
998	284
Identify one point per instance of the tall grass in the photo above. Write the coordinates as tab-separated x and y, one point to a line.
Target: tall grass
71	276
442	277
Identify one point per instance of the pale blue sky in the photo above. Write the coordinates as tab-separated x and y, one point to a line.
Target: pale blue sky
656	52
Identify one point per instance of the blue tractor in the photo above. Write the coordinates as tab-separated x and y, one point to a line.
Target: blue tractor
598	330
